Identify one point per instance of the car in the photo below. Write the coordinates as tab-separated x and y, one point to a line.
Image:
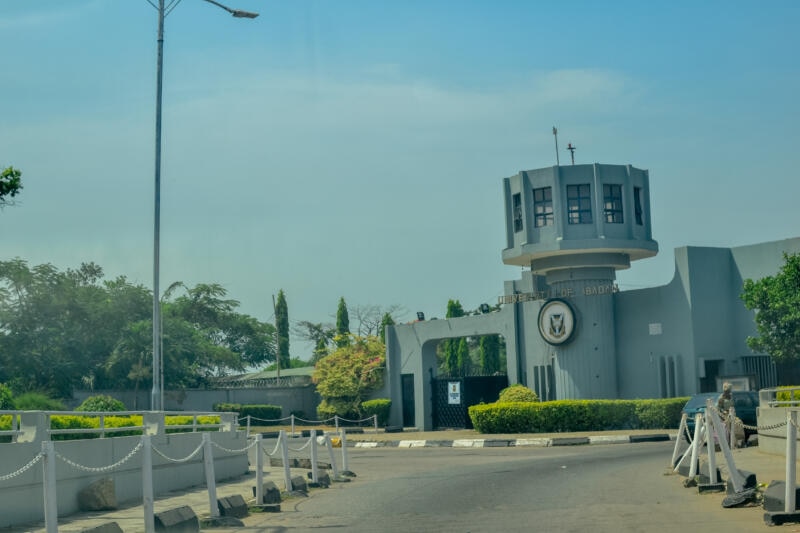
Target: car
744	402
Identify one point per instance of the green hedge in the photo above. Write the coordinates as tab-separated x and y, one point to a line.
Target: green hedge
380	407
576	415
262	412
93	422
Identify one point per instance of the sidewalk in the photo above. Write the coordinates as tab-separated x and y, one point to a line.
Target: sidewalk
767	468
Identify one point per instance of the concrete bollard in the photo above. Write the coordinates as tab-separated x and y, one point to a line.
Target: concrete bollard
180	519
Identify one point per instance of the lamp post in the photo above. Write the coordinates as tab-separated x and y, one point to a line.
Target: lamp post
156	402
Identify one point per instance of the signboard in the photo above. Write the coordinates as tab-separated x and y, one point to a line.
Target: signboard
454	392
556	322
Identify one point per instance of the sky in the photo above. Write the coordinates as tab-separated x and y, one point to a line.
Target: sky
356	148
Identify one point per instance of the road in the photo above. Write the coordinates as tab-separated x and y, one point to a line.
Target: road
601	488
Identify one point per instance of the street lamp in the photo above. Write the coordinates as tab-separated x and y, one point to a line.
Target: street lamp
156	402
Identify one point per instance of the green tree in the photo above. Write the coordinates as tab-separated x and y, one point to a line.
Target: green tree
489	354
347	375
10	185
282	332
776	302
463	361
342	324
449	347
387	320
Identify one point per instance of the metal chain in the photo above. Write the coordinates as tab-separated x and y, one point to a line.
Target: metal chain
738	422
185	459
32	462
277	445
101	468
301	448
270	419
214	444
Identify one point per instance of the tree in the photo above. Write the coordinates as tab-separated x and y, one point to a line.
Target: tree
370	318
345	376
776	302
387	320
449	347
10	185
342	324
463	361
489	351
321	335
282	329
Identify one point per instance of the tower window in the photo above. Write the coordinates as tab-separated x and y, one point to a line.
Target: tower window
517	212
612	203
543	207
579	204
637	205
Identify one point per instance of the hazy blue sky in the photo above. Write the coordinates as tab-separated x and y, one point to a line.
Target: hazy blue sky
356	148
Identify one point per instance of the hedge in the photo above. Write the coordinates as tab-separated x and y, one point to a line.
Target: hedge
93	422
267	415
380	407
576	415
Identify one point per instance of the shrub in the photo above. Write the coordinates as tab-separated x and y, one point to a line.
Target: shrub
37	401
101	402
6	398
517	393
576	415
341	407
380	407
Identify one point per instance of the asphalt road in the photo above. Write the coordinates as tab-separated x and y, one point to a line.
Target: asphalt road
612	488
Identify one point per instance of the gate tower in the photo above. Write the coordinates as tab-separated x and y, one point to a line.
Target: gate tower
575	226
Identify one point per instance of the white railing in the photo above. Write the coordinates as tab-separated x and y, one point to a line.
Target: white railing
294	421
38	425
779	397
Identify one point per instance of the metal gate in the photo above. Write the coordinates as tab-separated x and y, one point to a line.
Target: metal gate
452	397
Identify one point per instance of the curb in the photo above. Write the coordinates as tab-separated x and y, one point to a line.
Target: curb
513	443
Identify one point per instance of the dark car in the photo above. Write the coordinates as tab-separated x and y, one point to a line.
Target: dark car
745	403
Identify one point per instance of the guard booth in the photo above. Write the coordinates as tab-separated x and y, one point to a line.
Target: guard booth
452	397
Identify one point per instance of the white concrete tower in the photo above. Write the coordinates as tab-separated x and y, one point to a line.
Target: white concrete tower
574	226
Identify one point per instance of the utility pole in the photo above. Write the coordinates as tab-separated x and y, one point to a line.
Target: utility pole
277	343
571	152
555	134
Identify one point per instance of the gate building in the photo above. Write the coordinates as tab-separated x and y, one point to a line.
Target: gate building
569	332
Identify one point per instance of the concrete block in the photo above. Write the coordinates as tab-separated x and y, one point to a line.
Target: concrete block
271	493
750	482
178	520
299	484
323	480
775	497
108	527
233	506
98	496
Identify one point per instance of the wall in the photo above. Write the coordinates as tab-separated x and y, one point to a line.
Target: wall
22	495
290	399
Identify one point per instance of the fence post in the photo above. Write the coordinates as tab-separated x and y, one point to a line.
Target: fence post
314	473
259	468
731	427
698	431
345	466
712	454
333	457
211	482
336	422
681	432
287	473
375	420
292	417
791	458
50	503
147	484
248	426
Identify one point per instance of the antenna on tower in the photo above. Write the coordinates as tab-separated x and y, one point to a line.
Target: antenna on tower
571	152
555	134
